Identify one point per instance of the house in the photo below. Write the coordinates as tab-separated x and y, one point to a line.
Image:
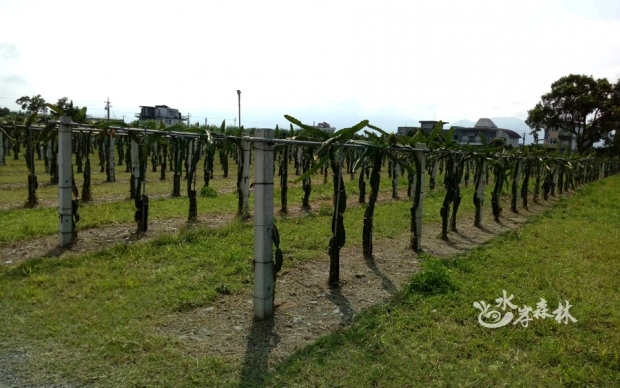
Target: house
325	127
486	128
566	140
160	113
425	125
406	131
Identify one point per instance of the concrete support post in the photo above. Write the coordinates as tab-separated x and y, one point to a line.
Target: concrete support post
263	226
601	174
554	180
135	164
480	194
245	178
65	183
111	151
420	156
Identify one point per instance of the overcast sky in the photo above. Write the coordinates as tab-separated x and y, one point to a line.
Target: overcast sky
316	60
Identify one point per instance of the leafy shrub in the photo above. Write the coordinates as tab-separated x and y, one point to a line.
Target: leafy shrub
207	191
434	279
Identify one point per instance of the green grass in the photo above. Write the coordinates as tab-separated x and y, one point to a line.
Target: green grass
99	313
433	338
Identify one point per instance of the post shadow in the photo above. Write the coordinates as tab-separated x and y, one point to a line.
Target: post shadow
335	296
386	282
261	340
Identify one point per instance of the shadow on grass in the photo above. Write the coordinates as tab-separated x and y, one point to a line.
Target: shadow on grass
261	340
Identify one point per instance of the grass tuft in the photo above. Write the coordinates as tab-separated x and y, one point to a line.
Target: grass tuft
435	278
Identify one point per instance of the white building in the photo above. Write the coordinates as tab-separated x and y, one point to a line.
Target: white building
160	113
325	127
426	126
488	129
566	140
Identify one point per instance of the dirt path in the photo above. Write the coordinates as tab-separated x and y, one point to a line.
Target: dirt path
306	308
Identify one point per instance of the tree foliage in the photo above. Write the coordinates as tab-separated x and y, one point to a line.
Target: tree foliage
32	104
580	105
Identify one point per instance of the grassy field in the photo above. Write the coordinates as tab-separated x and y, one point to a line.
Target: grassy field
92	319
433	339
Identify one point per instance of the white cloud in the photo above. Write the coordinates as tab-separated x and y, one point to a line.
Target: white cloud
448	59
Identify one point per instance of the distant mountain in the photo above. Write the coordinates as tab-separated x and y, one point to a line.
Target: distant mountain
512	123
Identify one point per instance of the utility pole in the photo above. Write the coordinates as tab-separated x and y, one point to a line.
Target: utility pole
107	107
235	122
523	138
239	96
188	116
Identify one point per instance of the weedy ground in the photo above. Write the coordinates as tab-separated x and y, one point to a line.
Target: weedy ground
99	319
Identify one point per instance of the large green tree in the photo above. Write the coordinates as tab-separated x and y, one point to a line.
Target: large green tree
34	104
580	105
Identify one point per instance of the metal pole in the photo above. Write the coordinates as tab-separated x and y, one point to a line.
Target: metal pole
239	98
263	227
65	183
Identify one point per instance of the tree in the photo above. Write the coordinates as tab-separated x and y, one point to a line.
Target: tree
32	104
67	107
4	112
580	105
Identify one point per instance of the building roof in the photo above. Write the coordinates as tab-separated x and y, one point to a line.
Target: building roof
512	134
485	123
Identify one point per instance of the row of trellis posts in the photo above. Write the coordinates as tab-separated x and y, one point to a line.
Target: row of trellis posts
264	271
